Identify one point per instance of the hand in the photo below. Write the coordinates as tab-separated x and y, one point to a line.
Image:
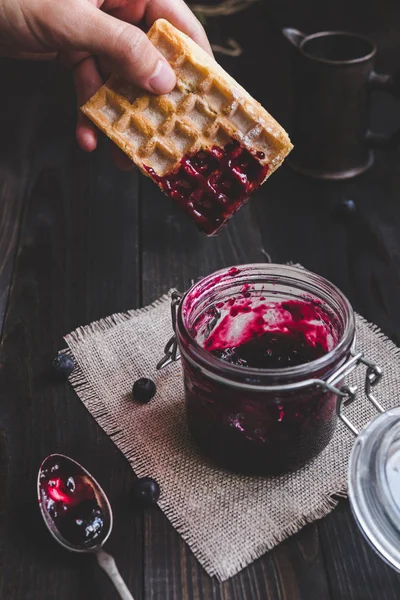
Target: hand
95	37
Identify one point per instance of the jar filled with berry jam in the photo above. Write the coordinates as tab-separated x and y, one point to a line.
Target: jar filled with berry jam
265	350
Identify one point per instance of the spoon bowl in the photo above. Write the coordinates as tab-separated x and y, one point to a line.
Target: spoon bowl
72	468
77	512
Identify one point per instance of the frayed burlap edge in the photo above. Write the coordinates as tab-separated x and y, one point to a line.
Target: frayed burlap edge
99	411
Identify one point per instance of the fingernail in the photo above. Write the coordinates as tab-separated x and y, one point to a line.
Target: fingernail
163	79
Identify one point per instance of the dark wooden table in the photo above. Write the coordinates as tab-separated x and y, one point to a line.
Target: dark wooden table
80	240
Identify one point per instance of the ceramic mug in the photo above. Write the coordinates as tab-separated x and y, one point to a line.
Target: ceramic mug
333	77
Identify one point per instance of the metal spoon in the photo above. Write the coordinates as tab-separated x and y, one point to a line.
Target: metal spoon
95	546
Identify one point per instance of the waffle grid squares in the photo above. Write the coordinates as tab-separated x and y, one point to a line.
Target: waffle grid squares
169	137
200	112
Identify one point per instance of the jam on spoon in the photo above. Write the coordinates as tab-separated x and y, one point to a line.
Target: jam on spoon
71	501
77	512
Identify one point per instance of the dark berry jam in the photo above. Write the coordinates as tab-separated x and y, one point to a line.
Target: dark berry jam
298	334
211	185
251	430
70	499
272	351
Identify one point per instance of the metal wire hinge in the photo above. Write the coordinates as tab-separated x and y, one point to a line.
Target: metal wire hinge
171	350
347	394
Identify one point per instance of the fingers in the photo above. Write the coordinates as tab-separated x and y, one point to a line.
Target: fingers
126	50
125	47
71	59
7	52
179	14
87	81
175	11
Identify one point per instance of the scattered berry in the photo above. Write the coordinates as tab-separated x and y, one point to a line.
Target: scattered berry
146	491
349	206
144	390
63	365
345	210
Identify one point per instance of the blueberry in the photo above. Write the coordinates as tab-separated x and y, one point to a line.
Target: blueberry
146	491
346	209
349	206
143	390
63	365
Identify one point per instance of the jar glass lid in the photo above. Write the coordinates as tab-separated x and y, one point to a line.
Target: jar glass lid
374	485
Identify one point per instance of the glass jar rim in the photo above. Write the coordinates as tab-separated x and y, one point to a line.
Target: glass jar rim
374	506
287	274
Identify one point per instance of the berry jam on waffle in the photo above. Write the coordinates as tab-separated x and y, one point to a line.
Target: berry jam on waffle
211	185
208	144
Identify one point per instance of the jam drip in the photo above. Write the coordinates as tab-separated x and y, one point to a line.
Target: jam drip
71	502
211	185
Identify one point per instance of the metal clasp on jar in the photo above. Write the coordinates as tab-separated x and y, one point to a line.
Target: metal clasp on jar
346	394
171	350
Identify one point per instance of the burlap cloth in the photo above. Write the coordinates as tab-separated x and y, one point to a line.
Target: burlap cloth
228	520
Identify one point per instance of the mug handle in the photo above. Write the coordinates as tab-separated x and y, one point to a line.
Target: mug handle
391	85
294	36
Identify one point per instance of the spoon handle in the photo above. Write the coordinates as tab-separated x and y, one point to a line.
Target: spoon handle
107	563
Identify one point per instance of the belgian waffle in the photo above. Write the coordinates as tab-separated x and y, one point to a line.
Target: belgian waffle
207	144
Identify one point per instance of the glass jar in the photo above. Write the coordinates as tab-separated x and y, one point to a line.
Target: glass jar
272	420
263	420
374	485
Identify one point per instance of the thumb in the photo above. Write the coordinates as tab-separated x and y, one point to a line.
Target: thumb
126	49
